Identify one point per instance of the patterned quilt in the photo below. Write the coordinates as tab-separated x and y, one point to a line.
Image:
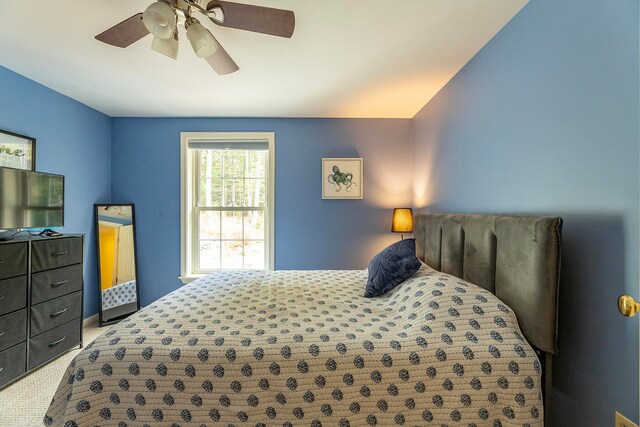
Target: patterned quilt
305	348
117	295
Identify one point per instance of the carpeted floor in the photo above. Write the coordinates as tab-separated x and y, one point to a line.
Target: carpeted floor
24	403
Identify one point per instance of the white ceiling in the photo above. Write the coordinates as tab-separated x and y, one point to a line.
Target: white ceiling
347	58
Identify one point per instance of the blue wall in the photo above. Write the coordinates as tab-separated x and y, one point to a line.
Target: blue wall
311	233
544	120
71	139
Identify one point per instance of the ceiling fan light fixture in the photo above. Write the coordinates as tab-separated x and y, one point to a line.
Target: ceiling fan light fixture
160	19
201	39
167	47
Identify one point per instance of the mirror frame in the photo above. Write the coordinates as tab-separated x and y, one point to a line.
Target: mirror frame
101	321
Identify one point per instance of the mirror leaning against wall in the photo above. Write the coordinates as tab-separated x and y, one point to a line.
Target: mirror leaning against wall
117	262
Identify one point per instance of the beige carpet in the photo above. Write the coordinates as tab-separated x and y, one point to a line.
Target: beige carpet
24	403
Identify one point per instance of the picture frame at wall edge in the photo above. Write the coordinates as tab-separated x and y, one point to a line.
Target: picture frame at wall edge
17	151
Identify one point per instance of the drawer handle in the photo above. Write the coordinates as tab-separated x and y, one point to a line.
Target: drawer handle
56	284
51	344
60	253
58	313
1	369
2	333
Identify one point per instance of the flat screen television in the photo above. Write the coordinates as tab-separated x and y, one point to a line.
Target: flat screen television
30	199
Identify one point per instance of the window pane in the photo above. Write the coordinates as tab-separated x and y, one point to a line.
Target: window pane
254	225
232	254
254	254
233	163
254	193
209	225
232	194
210	192
232	225
210	163
256	164
230	179
209	255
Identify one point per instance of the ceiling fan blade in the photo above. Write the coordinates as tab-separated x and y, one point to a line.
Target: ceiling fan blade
125	33
221	62
259	19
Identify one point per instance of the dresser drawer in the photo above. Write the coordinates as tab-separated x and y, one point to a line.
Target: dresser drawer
13	329
54	253
50	344
54	283
13	363
13	260
55	312
13	294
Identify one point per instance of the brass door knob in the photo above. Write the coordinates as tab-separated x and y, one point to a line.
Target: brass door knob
628	306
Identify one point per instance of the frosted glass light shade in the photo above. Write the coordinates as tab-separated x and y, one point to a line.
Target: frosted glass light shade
167	47
202	41
160	20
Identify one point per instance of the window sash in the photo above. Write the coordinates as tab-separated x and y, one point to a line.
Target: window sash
198	159
198	151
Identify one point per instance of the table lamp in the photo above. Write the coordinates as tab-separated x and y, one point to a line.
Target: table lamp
402	221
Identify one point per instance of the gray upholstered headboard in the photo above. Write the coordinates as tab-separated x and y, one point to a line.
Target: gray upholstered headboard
517	258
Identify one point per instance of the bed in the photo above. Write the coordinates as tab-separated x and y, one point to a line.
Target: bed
120	300
123	293
305	348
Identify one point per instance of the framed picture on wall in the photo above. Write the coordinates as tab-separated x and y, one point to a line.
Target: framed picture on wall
342	178
17	151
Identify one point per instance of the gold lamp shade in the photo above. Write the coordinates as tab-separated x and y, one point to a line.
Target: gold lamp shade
402	220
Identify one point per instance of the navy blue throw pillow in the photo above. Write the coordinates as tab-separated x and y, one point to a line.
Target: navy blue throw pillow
395	264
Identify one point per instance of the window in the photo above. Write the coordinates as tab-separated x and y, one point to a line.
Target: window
227	202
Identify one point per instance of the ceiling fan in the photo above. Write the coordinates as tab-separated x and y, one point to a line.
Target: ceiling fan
161	19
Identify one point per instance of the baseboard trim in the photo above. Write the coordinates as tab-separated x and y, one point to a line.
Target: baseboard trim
90	321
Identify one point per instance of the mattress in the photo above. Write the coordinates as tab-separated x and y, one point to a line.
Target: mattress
305	348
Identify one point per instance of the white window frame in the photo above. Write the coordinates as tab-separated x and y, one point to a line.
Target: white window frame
188	179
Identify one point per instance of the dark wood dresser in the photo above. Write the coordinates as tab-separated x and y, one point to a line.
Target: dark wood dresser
41	294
